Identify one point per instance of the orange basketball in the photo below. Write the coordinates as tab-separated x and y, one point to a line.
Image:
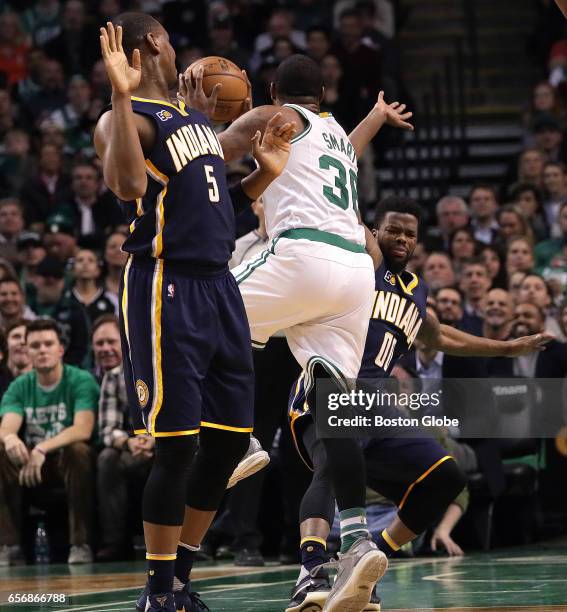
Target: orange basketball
234	89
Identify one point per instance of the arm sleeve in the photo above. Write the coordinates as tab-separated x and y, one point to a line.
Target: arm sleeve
240	201
12	400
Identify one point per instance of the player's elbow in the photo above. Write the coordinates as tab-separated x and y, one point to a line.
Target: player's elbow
128	188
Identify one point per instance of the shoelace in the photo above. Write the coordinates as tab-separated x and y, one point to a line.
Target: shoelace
332	563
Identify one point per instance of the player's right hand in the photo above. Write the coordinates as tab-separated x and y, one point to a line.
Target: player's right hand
16	450
123	77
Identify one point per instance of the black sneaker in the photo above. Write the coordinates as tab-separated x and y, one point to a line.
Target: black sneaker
311	593
184	600
249	557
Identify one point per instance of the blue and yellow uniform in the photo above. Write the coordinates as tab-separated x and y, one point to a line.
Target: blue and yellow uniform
186	339
394	464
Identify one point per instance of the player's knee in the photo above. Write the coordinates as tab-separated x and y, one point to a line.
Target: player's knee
176	453
223	448
453	477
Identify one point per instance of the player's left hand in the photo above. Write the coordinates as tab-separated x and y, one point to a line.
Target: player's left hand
394	113
273	148
528	344
194	96
30	474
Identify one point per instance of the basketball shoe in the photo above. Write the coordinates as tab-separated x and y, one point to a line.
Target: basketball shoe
253	461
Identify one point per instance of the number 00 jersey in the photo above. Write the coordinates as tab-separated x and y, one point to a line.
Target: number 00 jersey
186	214
399	309
317	188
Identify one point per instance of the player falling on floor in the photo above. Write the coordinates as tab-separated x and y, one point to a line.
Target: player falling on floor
186	341
316	280
414	472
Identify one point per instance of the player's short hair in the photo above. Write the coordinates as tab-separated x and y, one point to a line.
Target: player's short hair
135	27
298	76
44	324
398	204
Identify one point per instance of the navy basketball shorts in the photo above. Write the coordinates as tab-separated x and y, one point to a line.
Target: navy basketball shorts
186	350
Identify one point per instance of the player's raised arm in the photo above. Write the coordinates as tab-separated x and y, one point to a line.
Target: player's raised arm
382	113
456	342
119	132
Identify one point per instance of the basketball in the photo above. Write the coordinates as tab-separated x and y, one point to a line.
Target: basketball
234	88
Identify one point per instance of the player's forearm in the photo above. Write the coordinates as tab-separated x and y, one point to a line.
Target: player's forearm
456	342
74	433
562	4
124	164
257	182
365	131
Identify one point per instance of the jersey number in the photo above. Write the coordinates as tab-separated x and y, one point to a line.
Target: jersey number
386	351
340	198
212	182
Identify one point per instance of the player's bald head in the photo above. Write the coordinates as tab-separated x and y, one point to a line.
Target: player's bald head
135	28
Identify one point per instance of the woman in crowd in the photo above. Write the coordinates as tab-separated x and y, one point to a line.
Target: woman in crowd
529	199
494	263
462	246
513	223
519	255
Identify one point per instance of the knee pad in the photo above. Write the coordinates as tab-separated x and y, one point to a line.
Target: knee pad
164	495
428	499
219	453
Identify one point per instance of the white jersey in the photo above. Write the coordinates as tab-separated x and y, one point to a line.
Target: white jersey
317	188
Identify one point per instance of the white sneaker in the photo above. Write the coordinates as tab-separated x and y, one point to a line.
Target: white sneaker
80	554
253	461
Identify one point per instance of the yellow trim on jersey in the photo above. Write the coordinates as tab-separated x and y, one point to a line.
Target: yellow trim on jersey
157	242
325	115
389	540
411	285
424	475
171	434
138	432
139	207
157	557
156	345
125	302
160	177
313	539
227	427
181	111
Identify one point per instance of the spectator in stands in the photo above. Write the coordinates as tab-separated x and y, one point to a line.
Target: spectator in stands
529	199
534	290
14	45
16	161
30	252
334	100
6	269
452	214
42	21
53	409
115	260
545	100
417	259
280	25
100	85
555	183
548	138
124	459
51	94
91	212
438	271
88	289
494	263
13	305
318	43
222	42
498	314
449	306
483	205
362	64
59	239
512	223
474	283
514	281
54	301
106	345
530	167
519	255
462	247
18	361
551	255
74	44
31	85
11	225
47	187
562	318
72	117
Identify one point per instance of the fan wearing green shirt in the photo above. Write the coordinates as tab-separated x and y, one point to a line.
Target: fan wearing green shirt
48	417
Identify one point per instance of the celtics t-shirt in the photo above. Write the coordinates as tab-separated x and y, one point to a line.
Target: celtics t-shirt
48	411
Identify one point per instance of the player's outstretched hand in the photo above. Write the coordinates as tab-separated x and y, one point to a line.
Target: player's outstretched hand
272	150
394	113
193	94
123	77
528	344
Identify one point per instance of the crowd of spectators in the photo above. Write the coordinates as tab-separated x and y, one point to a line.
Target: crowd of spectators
496	263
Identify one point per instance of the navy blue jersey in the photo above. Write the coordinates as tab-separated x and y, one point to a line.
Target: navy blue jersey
399	309
186	214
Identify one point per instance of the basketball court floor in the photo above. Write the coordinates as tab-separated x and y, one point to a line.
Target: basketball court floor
527	580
